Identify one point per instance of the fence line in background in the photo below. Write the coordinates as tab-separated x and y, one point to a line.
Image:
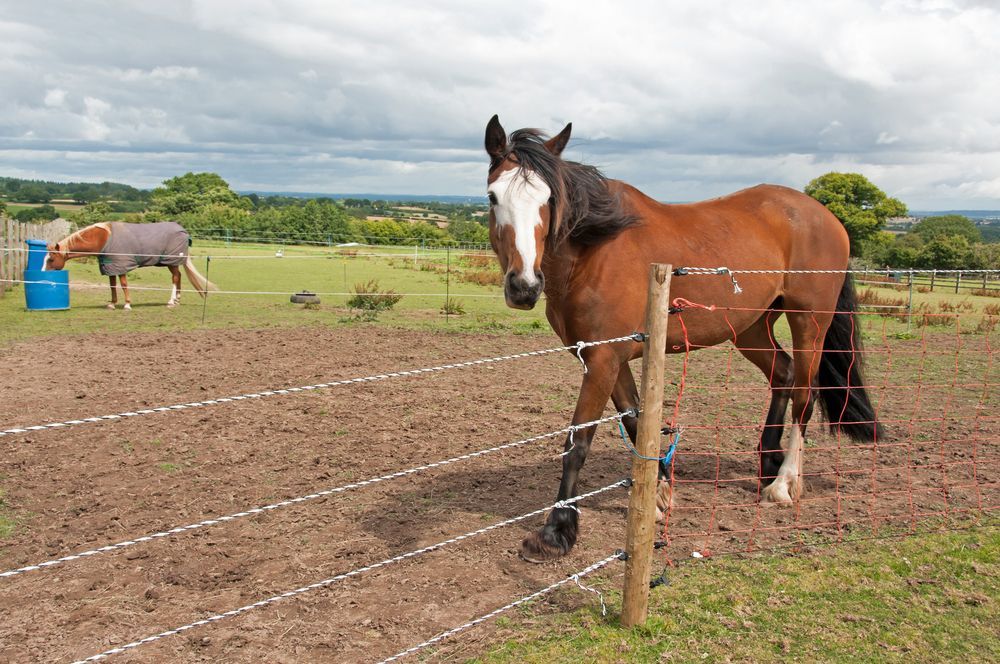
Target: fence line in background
13	253
87	285
329	255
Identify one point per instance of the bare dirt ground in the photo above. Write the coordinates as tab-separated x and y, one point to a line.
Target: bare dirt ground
88	486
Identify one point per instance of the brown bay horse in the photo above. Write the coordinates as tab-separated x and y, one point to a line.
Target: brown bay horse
121	247
562	228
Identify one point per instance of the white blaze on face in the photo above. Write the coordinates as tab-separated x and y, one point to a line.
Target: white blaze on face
519	195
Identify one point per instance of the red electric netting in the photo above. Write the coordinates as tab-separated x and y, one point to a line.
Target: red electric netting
932	380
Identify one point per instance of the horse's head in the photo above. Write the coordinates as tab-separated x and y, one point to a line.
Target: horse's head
522	206
56	258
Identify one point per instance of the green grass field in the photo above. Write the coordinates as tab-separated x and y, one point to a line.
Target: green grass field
929	598
252	269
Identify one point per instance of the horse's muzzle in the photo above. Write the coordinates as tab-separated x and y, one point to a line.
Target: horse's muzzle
519	293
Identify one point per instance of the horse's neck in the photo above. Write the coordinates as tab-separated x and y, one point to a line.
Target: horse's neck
558	266
88	240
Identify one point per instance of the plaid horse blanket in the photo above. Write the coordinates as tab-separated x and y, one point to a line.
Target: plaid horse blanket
143	245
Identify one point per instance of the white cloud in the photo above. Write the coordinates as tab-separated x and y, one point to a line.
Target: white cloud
55	97
686	99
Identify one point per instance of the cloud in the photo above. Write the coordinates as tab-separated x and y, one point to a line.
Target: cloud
685	99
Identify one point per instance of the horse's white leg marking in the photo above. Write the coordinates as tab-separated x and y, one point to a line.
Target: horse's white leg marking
787	486
173	296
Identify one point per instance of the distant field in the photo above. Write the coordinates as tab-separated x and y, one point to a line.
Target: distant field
14	208
253	269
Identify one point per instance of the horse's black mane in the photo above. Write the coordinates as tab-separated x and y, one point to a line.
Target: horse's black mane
586	212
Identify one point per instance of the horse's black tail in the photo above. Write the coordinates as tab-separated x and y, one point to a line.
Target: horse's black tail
842	388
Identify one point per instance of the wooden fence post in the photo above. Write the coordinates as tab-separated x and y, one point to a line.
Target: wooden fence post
642	500
958	281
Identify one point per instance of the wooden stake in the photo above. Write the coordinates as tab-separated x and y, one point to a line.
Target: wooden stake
642	500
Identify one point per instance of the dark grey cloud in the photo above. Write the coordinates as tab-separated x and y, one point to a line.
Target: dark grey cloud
685	99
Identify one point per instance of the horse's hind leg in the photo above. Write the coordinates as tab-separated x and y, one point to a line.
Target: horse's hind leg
757	344
128	299
559	533
808	332
175	291
113	280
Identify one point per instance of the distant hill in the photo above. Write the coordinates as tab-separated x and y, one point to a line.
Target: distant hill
415	198
971	214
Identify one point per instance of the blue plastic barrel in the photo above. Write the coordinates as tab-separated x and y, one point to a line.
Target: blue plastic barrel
46	291
37	250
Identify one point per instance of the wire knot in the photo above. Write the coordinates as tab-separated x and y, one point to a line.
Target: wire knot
580	345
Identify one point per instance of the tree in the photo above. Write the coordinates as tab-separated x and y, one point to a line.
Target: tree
40	213
34	193
862	207
193	191
946	252
93	213
468	232
947	225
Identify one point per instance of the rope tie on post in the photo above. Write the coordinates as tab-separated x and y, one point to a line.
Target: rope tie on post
664	460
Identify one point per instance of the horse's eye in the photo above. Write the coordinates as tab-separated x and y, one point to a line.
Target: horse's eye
493	197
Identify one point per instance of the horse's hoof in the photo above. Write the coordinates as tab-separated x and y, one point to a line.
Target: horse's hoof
171	305
128	307
535	550
776	493
110	307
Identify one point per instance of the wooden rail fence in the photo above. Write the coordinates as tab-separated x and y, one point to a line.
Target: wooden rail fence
12	236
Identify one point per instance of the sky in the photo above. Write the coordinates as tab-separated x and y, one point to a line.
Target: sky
684	99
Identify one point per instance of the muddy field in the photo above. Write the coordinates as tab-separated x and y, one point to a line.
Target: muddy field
96	484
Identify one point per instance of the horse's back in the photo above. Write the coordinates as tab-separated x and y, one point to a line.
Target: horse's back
769	228
762	227
143	245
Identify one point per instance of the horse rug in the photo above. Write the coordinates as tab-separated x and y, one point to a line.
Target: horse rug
143	245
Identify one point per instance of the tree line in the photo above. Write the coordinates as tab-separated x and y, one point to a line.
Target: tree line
206	205
938	242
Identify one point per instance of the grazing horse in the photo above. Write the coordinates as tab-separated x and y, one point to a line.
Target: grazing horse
121	247
562	228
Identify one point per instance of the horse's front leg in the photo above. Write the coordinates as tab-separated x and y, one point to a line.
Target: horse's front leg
175	292
559	533
113	280
128	300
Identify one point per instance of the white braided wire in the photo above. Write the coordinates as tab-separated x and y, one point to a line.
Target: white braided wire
295	501
304	388
726	270
340	577
404	252
492	614
85	285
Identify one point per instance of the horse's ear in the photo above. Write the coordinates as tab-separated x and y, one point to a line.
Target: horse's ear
557	143
496	138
